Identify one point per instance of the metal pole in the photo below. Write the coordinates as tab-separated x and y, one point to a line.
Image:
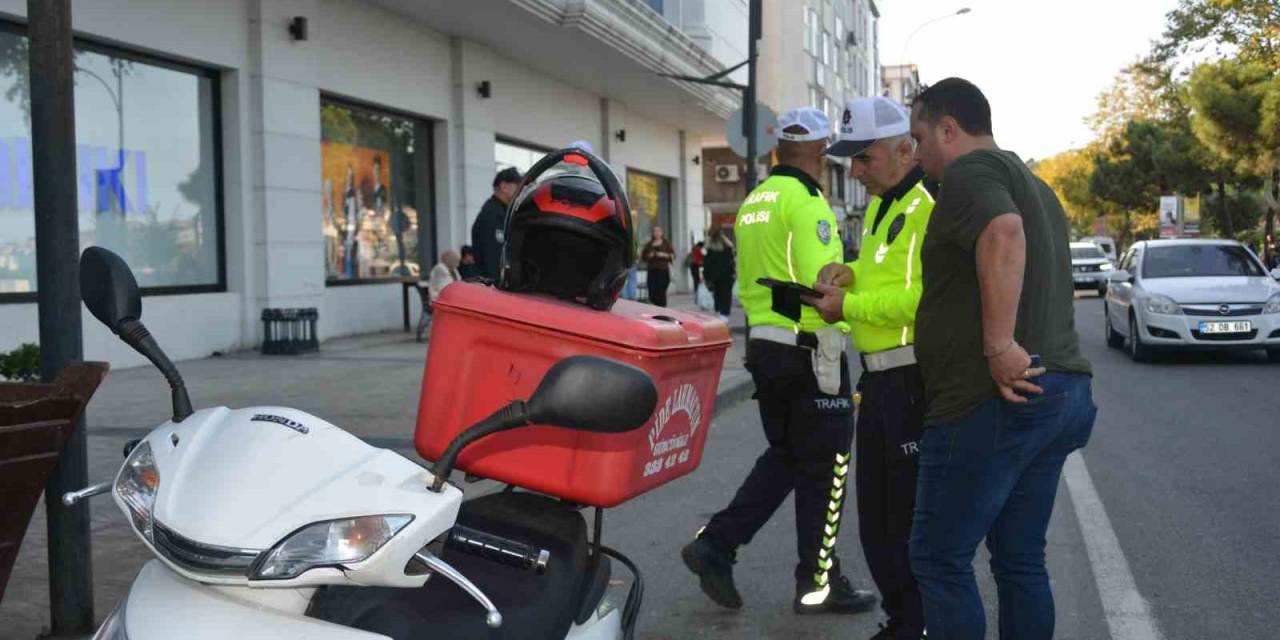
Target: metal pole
53	162
749	96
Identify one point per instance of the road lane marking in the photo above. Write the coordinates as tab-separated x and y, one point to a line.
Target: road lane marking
1128	614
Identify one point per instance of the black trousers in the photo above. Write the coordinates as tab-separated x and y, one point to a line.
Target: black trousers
657	283
890	423
809	436
695	270
722	292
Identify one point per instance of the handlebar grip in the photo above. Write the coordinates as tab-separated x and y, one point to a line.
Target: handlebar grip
498	549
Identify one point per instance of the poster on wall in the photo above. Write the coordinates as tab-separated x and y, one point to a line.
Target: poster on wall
357	211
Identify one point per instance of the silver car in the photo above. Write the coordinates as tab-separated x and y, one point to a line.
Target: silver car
1192	294
1090	268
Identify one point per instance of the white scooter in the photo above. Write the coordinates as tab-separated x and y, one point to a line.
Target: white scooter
268	522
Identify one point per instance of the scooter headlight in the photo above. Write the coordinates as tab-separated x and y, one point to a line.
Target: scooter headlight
329	543
137	485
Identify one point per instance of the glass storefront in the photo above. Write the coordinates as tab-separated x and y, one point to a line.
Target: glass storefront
508	153
372	186
146	167
650	199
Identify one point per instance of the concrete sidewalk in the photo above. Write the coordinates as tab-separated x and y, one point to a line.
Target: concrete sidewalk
368	385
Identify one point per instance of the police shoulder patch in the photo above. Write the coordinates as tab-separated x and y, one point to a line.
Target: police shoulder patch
824	231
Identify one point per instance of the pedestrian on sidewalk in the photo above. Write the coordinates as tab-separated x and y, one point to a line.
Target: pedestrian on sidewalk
657	255
467	268
997	288
444	273
786	231
870	295
489	229
695	265
718	270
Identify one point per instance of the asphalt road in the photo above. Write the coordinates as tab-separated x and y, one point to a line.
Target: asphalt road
1184	457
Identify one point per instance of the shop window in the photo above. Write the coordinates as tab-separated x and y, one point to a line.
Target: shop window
147	174
521	155
374	174
650	199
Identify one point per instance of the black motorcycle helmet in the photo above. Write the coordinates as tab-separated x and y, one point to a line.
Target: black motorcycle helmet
569	231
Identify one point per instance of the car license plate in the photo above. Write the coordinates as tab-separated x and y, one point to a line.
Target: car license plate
1239	326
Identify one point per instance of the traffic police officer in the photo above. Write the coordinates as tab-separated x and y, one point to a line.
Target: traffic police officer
786	231
879	298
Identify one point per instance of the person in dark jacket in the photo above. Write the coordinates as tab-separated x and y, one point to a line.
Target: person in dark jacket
487	232
467	268
718	269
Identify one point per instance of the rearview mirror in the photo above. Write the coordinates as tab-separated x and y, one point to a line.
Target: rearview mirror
108	288
1275	273
1120	275
589	393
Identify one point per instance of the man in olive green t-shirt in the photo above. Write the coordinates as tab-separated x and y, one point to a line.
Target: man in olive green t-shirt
997	289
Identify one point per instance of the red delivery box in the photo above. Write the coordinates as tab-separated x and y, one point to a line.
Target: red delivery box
489	347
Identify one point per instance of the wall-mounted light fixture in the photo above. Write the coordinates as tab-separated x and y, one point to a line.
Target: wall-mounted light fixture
697	159
620	135
483	89
298	28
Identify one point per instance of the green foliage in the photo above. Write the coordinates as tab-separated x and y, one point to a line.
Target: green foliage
1243	210
21	364
1068	173
1247	29
1228	97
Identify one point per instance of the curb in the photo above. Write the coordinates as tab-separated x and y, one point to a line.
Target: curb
734	394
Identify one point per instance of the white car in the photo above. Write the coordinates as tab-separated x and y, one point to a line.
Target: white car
1090	268
1192	294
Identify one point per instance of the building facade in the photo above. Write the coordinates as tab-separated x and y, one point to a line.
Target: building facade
252	154
902	82
812	52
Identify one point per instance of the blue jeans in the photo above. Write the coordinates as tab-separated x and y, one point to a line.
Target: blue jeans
994	473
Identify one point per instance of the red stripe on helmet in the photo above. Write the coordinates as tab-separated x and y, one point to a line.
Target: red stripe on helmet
603	209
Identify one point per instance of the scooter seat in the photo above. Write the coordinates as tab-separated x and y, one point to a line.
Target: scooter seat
533	606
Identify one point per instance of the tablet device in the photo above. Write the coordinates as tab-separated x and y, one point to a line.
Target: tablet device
786	297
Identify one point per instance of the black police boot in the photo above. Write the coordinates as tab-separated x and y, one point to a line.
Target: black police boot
714	568
838	597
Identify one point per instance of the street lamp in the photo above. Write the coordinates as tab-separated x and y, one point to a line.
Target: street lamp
902	58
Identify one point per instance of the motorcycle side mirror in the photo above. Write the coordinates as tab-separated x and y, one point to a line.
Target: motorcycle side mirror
111	293
108	288
585	393
588	393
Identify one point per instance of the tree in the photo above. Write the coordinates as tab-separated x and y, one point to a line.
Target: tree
1237	114
1144	90
1248	29
1068	173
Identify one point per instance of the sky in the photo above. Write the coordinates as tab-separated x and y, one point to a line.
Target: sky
1041	63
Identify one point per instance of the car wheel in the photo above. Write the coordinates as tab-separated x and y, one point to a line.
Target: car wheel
1273	355
1114	339
1138	351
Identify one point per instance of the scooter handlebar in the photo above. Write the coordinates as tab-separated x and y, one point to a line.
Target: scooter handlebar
498	549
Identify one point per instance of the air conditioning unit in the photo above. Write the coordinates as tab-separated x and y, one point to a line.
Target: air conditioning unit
726	173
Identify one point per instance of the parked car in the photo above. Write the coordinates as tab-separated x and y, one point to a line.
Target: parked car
1090	267
1192	294
1106	243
